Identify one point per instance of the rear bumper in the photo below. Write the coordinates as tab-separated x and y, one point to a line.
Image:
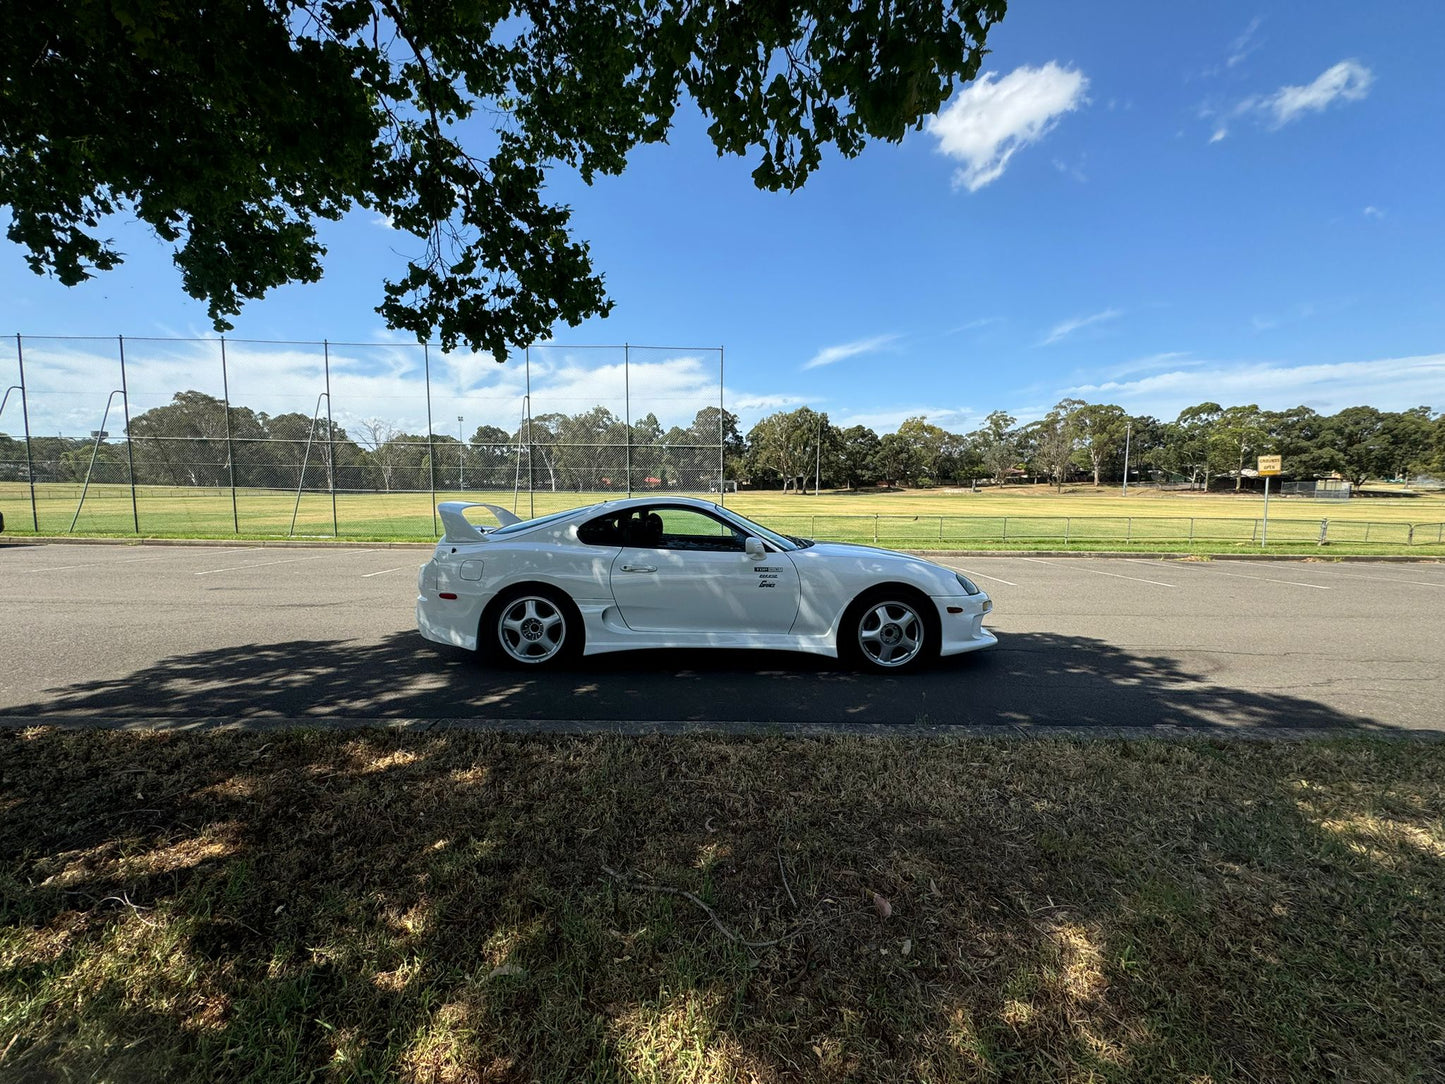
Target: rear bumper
449	621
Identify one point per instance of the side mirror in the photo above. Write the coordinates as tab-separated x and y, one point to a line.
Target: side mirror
753	547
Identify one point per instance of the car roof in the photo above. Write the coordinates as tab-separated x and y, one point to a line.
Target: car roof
621	504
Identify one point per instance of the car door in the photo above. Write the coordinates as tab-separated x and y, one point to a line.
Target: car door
683	570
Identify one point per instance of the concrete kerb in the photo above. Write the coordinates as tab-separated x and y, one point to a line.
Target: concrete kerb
338	543
262	724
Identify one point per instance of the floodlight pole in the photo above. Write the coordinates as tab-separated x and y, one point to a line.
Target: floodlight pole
461	456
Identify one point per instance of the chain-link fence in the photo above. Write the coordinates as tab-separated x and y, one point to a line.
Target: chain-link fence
184	436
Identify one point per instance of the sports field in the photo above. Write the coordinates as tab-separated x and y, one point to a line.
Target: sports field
1080	517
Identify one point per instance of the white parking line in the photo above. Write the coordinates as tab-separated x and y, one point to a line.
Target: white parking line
1100	572
383	572
264	564
1242	576
1380	579
136	560
984	576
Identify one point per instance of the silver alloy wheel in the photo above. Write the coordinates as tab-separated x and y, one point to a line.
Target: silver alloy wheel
890	634
531	629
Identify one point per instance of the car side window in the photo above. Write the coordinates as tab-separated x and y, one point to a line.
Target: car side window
602	531
688	529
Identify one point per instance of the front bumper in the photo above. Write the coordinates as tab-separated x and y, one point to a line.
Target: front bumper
961	619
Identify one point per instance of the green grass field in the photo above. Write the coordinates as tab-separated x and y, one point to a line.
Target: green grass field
1023	517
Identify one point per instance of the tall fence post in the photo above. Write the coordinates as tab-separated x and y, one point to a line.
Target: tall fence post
1005	529
531	447
721	441
1410	536
627	410
431	450
129	450
230	443
1191	530
1129	531
1324	531
330	437
875	528
25	415
1367	530
1066	530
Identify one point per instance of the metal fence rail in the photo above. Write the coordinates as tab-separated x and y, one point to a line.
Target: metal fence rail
942	531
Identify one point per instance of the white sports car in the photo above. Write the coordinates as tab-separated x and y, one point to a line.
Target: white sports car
675	572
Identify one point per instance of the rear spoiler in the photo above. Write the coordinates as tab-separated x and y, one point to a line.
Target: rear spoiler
457	528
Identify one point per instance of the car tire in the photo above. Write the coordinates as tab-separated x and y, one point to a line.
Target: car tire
531	626
889	631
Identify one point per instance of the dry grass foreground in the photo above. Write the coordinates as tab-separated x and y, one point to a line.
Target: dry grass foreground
317	906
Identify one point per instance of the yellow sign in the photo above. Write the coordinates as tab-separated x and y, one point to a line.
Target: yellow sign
1270	464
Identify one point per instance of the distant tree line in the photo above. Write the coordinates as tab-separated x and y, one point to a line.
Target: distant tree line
1207	445
190	441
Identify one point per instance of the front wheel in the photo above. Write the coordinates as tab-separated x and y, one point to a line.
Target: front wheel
889	634
533	628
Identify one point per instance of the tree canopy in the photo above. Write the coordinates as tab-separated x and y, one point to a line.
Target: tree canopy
231	128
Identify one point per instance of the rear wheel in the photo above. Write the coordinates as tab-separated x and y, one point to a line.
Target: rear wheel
533	627
888	632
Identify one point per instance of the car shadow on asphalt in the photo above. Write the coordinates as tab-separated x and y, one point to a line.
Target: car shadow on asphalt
1029	679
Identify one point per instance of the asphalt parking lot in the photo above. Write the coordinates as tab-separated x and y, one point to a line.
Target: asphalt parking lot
172	633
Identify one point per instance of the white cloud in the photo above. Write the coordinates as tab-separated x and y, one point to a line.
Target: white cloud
1347	81
1386	383
974	325
1245	44
1154	362
829	354
1373	212
992	118
68	381
754	407
954	419
1068	327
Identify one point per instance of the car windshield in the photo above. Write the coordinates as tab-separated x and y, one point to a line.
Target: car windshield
528	524
783	542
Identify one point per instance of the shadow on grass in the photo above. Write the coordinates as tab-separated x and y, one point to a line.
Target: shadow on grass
305	905
1029	679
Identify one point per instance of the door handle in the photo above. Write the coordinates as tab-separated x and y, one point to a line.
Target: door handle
639	568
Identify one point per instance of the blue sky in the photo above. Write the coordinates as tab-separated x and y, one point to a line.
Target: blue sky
1149	204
